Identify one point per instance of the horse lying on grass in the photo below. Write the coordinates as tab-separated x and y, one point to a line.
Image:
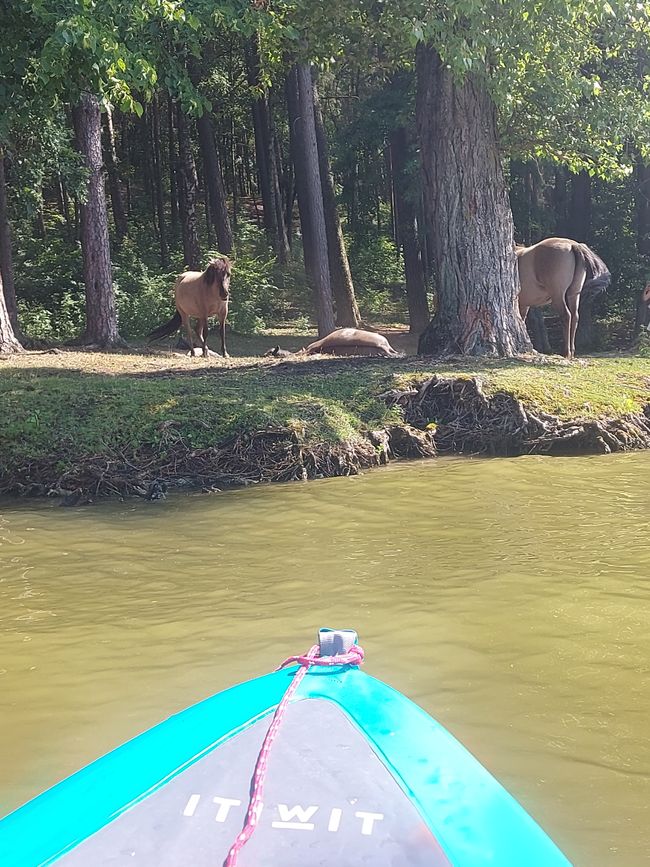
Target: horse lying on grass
343	341
200	294
557	271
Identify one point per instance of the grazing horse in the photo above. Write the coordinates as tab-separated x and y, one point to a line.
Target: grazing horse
200	294
557	271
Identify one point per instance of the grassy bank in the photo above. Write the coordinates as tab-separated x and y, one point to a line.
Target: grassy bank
141	414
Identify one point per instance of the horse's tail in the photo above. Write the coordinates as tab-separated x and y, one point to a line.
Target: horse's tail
598	274
166	328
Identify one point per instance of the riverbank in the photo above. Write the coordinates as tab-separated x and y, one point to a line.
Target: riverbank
81	425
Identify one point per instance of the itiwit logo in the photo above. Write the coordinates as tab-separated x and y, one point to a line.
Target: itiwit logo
296	818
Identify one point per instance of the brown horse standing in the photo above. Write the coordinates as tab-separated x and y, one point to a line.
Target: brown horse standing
556	271
200	294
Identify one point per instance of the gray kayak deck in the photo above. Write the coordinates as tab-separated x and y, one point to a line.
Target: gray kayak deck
329	800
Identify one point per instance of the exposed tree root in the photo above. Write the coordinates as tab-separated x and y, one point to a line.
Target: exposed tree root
467	420
271	455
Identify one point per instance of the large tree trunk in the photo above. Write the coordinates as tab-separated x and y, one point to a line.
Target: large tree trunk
117	202
310	195
470	217
214	183
406	225
347	311
6	255
8	340
187	188
101	311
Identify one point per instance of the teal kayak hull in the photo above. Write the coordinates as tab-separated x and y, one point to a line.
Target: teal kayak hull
467	817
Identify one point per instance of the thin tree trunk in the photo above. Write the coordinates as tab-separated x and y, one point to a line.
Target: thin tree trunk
187	195
347	310
101	311
406	223
560	202
117	202
642	203
537	330
158	183
233	168
214	183
173	168
266	158
470	216
6	255
580	208
297	149
314	201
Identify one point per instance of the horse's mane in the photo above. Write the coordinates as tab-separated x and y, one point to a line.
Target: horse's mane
217	269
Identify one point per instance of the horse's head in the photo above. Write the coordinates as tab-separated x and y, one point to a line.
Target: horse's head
219	271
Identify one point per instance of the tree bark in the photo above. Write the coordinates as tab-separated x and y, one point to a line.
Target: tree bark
642	203
406	230
6	255
214	183
101	311
537	330
8	340
469	212
117	202
313	204
560	203
580	209
173	168
187	195
267	166
158	183
347	310
297	150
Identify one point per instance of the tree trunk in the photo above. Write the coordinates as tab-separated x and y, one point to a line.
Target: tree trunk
117	202
158	183
187	195
313	195
173	168
470	216
101	311
537	330
266	158
347	311
297	149
560	202
8	340
214	184
642	202
406	230
579	221
6	255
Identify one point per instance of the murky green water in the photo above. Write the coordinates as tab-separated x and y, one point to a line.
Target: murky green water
510	598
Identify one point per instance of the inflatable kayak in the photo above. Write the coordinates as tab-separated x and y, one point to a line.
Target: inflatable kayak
315	764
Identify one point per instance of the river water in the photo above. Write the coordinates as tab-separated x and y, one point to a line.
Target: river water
510	598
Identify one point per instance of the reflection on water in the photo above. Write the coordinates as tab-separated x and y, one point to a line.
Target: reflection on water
510	598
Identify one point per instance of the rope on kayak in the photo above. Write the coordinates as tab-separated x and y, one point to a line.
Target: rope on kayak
354	656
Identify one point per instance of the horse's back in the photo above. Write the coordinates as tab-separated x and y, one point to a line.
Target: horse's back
546	269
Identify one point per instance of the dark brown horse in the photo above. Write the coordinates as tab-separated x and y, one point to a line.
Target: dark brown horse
556	271
200	294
